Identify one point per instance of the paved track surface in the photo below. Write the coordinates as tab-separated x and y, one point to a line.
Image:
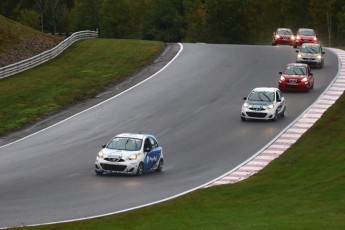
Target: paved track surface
192	107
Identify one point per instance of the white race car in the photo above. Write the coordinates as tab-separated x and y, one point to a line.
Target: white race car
265	103
130	154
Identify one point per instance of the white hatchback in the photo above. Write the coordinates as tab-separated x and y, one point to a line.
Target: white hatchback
130	154
264	103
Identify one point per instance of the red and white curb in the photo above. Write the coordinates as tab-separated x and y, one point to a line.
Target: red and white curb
292	133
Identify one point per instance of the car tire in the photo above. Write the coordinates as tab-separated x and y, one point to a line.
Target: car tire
98	173
160	166
274	44
140	169
283	114
275	118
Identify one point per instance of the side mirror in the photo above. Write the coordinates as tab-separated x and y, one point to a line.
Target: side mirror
297	51
311	74
279	100
323	52
244	98
147	149
103	146
280	73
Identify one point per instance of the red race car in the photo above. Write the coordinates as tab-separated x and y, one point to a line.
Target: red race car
304	35
283	36
296	76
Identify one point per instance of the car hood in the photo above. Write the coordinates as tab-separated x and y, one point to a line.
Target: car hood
258	103
306	36
286	76
309	54
116	153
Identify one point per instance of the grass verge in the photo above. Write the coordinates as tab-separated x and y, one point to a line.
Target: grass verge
302	189
79	73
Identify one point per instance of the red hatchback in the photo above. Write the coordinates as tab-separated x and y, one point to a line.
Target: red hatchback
304	35
296	76
283	36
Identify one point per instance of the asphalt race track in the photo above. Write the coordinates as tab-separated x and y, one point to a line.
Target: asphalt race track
192	107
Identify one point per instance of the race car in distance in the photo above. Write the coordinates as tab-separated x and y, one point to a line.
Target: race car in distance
304	35
283	36
296	76
130	153
263	103
311	54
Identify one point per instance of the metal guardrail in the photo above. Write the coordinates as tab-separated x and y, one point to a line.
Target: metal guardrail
47	55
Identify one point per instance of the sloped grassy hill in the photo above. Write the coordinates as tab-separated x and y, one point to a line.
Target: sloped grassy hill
19	42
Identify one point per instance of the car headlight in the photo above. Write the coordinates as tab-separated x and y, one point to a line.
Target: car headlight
100	154
245	105
304	79
298	37
299	56
319	57
133	156
292	37
282	78
315	38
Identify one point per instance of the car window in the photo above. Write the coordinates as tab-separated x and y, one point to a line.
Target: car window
284	32
124	143
306	32
153	142
295	70
261	96
310	49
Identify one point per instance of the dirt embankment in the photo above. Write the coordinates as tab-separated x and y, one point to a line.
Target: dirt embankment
19	42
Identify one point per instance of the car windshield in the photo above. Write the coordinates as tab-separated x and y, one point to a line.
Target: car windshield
307	32
125	143
261	96
295	70
310	49
284	32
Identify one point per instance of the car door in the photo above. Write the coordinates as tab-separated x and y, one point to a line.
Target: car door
153	153
280	102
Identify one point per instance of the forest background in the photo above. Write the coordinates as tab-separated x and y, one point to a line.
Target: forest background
209	21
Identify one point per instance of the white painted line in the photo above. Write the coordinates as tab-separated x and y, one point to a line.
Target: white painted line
262	163
291	135
251	168
285	141
266	157
277	152
295	130
279	146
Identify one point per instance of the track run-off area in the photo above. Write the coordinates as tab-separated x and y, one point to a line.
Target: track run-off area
192	106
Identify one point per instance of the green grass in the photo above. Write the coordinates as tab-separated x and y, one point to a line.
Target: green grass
81	72
302	189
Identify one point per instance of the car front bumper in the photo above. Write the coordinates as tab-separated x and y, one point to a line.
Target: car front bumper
310	61
267	114
103	166
301	86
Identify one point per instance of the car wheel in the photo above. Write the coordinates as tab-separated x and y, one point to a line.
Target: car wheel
275	118
99	173
160	166
140	169
283	114
274	44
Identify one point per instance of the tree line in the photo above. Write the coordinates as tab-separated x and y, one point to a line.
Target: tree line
209	21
